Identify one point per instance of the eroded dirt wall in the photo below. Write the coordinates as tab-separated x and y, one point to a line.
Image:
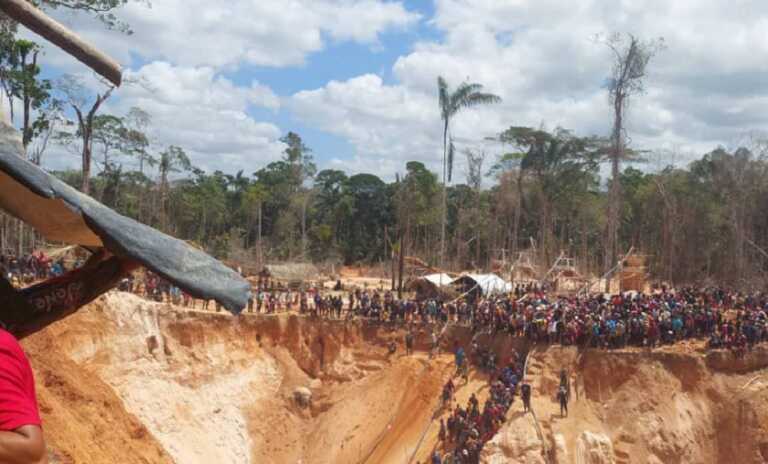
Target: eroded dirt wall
83	418
127	380
674	405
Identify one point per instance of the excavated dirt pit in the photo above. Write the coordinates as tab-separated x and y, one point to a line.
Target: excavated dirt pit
131	381
673	405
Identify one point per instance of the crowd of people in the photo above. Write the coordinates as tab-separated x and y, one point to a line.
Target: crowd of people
726	319
28	268
466	430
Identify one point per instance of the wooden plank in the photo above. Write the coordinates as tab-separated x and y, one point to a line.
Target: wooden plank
38	22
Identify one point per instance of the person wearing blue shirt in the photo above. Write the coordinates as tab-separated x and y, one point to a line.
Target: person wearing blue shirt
459	357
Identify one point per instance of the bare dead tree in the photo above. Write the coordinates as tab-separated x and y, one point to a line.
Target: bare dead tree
53	117
630	62
475	180
77	96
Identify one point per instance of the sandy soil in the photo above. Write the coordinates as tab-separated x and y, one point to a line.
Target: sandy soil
84	419
673	405
207	387
126	380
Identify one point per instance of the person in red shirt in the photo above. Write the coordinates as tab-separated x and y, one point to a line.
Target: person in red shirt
21	434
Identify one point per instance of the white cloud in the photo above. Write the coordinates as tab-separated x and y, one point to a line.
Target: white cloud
181	86
705	89
199	111
205	114
384	123
190	43
235	32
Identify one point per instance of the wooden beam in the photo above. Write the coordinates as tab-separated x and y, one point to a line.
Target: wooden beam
38	22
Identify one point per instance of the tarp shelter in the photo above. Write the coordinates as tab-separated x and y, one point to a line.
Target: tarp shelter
429	286
61	213
293	274
486	284
523	271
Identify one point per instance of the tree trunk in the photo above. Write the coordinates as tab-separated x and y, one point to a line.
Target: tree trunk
26	134
614	193
248	231
164	199
518	213
304	226
140	205
86	181
401	258
393	271
584	247
445	195
260	251
478	225
86	130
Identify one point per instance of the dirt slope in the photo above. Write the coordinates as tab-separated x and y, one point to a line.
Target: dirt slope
84	420
126	380
667	406
212	388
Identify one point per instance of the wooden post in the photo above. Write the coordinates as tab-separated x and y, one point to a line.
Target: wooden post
401	259
56	33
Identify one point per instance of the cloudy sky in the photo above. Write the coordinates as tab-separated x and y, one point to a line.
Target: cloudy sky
357	78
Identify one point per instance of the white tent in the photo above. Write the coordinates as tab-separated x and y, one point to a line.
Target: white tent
440	280
489	283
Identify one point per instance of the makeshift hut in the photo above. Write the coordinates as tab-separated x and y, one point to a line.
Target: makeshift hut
634	273
292	275
475	285
523	270
563	276
429	286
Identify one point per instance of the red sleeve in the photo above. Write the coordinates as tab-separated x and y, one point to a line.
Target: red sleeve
18	402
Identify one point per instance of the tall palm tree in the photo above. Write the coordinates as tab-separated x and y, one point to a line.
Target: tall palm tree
466	95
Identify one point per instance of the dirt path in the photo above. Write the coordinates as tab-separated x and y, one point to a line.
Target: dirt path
413	412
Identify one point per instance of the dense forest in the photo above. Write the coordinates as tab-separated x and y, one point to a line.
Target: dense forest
704	220
542	192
